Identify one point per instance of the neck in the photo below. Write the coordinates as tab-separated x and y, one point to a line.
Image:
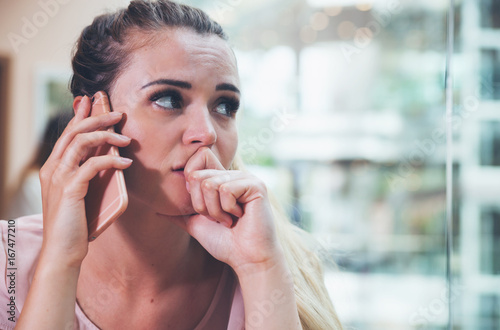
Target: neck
146	252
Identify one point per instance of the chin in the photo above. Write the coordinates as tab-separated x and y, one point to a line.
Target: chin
177	203
169	199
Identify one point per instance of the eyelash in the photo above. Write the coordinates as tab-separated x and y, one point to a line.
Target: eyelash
176	96
232	102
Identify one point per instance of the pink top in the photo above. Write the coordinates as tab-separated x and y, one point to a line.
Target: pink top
19	251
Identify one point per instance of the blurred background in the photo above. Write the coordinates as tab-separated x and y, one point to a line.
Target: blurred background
344	117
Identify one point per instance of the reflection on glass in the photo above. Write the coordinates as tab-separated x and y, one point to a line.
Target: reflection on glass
343	116
490	71
348	100
490	143
478	138
490	13
489	315
490	240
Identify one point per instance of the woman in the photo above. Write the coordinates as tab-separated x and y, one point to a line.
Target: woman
200	245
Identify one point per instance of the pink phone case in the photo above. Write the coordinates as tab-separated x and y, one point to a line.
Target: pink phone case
107	197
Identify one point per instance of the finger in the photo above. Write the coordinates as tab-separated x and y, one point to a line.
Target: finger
84	142
199	197
94	165
100	122
220	176
211	198
228	201
196	194
203	158
243	191
83	106
195	179
201	227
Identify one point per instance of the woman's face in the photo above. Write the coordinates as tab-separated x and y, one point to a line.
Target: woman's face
179	93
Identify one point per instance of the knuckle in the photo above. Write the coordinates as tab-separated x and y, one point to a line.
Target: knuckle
56	179
43	174
208	185
193	176
218	213
263	187
102	135
199	208
91	162
224	189
259	184
67	190
79	138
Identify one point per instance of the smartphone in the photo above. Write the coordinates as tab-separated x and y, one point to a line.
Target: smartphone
106	197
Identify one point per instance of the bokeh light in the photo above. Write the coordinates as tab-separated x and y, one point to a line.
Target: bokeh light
319	21
346	30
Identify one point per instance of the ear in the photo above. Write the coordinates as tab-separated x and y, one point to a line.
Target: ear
76	102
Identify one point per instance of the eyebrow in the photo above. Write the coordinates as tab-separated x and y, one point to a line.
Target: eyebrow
177	83
186	85
227	87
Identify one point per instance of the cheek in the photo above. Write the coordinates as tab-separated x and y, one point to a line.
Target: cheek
142	139
228	144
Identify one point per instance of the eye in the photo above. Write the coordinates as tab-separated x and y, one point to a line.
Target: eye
169	99
227	107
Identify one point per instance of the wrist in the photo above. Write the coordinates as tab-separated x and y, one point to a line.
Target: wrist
269	295
273	266
53	260
48	267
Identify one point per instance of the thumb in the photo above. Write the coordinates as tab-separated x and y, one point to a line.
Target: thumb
203	159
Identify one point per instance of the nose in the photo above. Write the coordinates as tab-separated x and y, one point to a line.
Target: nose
200	129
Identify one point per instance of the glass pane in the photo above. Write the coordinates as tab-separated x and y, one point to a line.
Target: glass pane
343	116
490	73
490	13
477	159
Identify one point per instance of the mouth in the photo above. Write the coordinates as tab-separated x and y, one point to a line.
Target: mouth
178	170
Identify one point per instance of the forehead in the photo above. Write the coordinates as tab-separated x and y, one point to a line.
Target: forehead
181	54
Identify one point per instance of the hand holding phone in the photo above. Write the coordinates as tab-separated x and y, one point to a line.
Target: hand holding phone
107	197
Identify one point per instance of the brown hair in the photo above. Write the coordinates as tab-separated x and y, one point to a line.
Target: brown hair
101	51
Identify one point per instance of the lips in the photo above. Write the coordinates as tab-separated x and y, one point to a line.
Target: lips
179	170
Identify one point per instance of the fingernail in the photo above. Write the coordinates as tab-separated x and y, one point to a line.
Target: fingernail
187	187
123	137
116	114
125	161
